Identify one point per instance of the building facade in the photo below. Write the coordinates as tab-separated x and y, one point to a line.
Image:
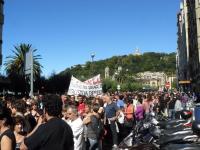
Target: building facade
1	28
183	53
152	79
188	23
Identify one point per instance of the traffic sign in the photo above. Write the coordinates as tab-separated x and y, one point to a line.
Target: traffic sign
167	84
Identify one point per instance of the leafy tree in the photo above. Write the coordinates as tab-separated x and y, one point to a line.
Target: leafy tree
131	65
16	63
15	66
109	85
150	61
58	83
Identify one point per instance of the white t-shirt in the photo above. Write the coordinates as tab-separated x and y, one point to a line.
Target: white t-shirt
77	129
121	117
178	106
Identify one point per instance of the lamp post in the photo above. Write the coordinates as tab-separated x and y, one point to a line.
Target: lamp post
92	56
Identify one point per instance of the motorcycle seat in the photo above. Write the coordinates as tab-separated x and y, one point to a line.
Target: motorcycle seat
176	130
181	147
177	138
171	124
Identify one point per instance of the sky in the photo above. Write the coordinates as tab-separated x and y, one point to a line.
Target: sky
66	32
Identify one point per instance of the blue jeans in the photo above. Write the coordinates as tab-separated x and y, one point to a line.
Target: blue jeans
93	144
114	132
171	113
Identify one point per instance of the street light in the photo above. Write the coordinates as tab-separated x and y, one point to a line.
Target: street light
92	56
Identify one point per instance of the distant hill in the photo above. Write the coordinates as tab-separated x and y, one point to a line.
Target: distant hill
131	64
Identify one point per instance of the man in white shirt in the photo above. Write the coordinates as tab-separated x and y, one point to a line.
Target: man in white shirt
177	108
76	124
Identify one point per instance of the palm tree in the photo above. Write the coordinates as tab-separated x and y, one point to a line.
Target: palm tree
16	63
15	68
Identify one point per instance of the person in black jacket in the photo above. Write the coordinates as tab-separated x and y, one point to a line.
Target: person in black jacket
55	134
171	105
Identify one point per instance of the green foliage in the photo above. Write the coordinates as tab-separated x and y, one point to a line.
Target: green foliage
135	86
150	61
58	83
15	66
16	63
174	84
109	85
131	65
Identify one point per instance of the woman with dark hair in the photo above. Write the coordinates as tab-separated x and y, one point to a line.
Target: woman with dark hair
18	130
129	117
7	137
54	134
92	128
147	103
34	110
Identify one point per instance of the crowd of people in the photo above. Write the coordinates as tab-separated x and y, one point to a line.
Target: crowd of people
81	123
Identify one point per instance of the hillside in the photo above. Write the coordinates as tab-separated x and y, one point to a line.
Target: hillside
131	64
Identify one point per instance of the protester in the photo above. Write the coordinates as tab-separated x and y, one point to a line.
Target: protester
81	105
76	125
86	121
147	104
18	131
139	112
112	113
120	101
18	108
7	137
129	115
54	133
73	101
92	122
64	100
171	105
177	108
34	110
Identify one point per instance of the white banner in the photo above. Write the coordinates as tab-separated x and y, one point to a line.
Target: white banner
94	80
90	87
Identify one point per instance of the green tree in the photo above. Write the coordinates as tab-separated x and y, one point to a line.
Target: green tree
109	85
15	66
16	63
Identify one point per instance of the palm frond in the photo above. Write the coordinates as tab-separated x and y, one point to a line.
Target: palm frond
16	62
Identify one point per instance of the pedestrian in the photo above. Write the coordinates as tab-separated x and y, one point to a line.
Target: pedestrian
178	108
111	114
18	130
171	105
7	137
81	105
129	117
92	121
54	133
76	125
